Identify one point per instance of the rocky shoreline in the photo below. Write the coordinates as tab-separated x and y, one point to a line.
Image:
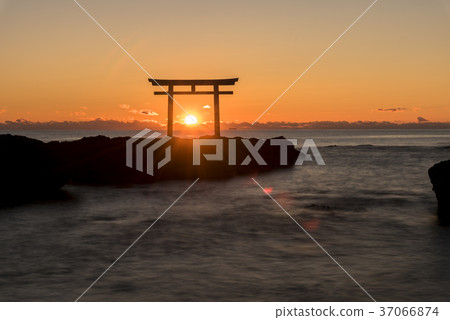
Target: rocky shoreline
32	168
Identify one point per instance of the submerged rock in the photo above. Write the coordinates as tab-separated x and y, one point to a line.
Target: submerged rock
440	178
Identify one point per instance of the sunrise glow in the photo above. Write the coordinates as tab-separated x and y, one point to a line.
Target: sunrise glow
190	120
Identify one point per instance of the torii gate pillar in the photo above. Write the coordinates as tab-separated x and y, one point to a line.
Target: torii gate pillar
216	111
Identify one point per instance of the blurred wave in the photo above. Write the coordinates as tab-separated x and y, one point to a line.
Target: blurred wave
372	208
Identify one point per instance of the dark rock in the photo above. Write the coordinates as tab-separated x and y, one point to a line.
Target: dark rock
101	160
29	167
440	178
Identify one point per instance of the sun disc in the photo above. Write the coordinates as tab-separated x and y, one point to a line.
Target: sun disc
190	120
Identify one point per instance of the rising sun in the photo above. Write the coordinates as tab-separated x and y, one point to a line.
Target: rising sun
190	120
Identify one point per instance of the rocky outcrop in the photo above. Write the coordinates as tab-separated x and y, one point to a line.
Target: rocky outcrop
440	178
28	169
101	160
31	167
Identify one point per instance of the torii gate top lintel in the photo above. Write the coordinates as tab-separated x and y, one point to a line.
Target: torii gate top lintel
198	82
193	83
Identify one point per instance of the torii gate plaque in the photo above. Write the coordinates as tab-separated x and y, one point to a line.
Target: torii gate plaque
193	83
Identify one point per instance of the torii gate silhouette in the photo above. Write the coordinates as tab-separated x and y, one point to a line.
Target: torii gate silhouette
192	83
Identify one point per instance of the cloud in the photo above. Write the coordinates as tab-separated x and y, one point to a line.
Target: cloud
83	108
3	109
392	109
104	124
420	119
207	107
148	113
338	125
90	124
19	121
77	114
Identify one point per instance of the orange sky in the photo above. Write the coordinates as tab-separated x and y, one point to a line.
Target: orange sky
56	64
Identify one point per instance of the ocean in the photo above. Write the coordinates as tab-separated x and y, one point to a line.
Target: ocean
371	207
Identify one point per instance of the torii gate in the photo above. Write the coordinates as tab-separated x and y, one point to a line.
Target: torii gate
192	83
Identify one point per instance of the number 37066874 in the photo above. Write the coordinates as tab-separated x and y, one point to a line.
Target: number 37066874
409	311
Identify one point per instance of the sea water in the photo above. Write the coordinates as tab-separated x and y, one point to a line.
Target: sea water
371	208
